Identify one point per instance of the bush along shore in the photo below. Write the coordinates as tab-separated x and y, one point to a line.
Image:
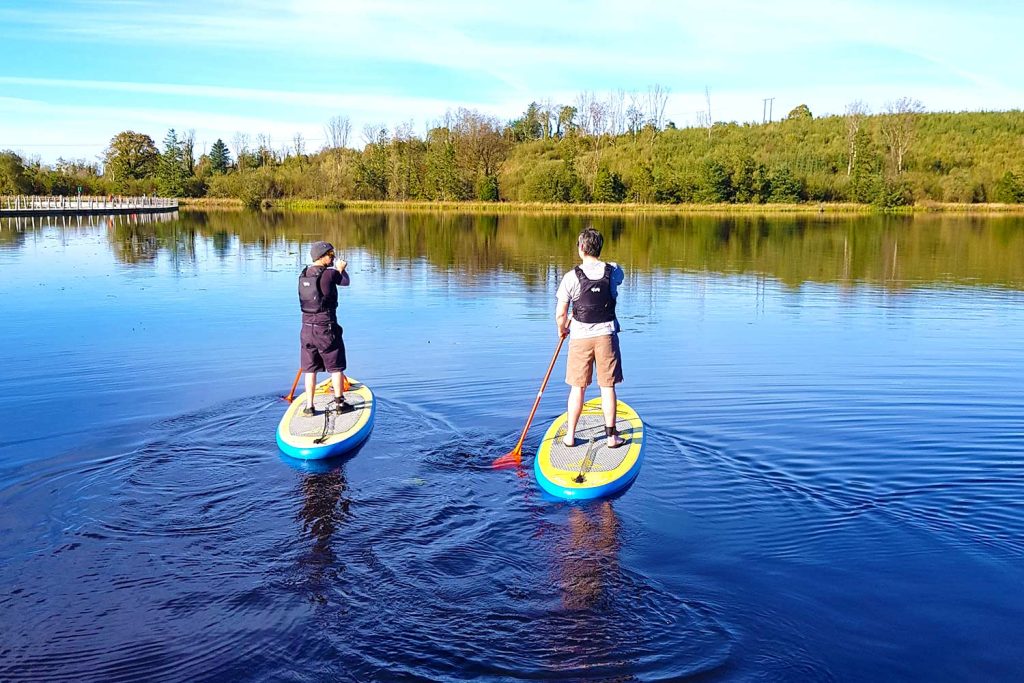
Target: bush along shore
586	156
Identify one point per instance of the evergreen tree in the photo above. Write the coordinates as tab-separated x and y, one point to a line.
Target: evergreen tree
172	174
608	187
713	183
786	188
219	157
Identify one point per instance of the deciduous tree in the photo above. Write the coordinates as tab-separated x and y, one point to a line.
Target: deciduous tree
898	128
130	156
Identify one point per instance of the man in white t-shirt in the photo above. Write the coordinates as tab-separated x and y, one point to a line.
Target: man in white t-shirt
592	288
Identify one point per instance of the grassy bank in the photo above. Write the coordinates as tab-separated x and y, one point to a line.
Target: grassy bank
211	204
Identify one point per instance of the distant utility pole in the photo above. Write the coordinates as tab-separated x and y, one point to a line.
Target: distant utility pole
767	107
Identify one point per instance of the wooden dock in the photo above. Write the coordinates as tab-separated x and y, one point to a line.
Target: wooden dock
82	205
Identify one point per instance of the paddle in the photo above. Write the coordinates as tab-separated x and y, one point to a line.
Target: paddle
515	456
291	394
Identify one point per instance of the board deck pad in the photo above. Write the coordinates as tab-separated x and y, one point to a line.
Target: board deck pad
313	425
590	426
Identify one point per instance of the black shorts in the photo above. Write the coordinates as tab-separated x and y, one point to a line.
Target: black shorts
322	348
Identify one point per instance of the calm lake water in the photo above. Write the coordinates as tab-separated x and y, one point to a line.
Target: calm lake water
833	486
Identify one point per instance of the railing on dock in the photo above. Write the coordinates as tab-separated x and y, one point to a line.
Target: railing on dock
33	204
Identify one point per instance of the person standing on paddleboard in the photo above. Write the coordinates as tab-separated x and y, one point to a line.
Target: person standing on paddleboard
593	330
321	338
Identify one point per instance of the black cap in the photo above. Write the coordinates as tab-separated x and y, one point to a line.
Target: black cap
320	249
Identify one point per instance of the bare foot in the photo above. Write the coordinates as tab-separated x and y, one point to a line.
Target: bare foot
568	441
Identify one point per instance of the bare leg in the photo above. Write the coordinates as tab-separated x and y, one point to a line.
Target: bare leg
575	407
310	387
337	381
609	403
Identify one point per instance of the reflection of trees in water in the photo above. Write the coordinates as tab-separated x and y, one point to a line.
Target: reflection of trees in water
892	251
325	507
139	240
886	250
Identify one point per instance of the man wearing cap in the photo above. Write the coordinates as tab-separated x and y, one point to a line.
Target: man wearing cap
321	339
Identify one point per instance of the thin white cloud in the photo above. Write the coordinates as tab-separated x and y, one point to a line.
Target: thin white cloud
826	54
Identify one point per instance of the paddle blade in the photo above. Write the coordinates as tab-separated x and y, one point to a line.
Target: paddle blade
508	461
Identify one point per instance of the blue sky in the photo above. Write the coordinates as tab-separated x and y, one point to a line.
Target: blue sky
73	73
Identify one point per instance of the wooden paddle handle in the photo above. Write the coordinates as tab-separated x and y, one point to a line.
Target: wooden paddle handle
536	402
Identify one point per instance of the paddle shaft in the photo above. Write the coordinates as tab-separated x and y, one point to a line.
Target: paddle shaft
291	394
543	385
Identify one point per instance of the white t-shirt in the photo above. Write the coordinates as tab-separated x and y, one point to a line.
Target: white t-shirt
569	290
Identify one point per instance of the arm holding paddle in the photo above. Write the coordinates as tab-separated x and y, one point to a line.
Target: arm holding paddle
562	319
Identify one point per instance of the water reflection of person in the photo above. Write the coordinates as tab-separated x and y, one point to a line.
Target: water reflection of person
324	508
595	628
589	562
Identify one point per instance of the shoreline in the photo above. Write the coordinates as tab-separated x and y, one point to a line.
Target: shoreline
217	204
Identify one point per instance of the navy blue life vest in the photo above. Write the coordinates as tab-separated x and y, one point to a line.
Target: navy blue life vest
312	297
596	303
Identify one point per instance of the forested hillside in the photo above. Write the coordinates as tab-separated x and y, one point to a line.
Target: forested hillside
556	154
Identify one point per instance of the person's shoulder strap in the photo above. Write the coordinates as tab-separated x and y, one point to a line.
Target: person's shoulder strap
579	273
608	270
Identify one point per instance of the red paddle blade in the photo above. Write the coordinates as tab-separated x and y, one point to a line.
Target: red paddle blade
508	461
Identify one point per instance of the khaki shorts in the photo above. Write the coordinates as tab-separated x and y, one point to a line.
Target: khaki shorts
584	354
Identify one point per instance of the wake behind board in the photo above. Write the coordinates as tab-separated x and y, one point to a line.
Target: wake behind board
590	469
326	433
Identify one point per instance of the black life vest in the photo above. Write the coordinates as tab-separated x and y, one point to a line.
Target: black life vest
596	303
312	297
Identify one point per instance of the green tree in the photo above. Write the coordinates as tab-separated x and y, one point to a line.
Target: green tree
713	183
444	181
641	184
554	181
743	181
13	178
487	188
220	158
1010	188
786	188
130	156
608	187
566	121
172	174
372	168
800	112
529	126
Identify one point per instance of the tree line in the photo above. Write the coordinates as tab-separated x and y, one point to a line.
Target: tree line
618	147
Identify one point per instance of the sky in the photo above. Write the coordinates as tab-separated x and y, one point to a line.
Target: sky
74	73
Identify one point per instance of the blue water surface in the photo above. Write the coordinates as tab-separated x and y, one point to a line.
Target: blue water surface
833	486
